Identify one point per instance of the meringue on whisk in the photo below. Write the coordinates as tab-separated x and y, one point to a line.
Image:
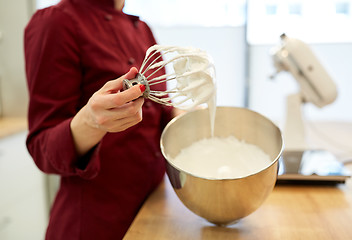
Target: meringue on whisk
190	76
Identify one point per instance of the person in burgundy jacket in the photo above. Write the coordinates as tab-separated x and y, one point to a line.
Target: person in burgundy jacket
82	126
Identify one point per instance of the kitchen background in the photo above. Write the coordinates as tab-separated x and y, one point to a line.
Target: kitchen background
238	34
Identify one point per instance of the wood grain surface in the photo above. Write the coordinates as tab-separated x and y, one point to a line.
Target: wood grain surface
12	125
291	212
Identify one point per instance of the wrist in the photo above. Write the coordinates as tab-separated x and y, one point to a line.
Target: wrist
85	135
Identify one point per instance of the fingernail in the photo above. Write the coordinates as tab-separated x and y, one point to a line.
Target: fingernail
142	87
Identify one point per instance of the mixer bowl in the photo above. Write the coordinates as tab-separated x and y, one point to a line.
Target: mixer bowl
222	201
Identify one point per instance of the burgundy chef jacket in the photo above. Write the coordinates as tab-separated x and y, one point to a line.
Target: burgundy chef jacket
71	50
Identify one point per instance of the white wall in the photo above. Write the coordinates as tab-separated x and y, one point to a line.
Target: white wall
14	15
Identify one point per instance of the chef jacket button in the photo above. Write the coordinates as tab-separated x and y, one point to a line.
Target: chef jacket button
148	104
131	61
136	23
108	17
157	154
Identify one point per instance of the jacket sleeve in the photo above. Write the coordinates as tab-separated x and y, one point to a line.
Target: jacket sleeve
54	78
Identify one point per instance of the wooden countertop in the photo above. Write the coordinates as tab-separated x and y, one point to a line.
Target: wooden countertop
12	125
290	212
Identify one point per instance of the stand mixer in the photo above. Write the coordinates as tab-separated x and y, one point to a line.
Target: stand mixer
300	163
316	86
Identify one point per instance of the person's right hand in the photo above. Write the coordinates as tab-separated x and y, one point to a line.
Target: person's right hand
108	110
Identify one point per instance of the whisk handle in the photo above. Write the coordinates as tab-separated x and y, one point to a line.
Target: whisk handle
139	79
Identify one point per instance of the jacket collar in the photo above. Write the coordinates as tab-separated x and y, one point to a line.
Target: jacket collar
108	5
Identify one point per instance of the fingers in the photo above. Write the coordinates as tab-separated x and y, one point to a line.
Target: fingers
112	110
131	73
127	110
114	97
122	124
119	118
118	99
115	86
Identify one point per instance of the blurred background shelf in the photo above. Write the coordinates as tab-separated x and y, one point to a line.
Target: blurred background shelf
12	125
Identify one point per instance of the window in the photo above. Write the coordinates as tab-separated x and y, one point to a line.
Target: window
309	20
342	8
295	9
45	3
189	12
271	9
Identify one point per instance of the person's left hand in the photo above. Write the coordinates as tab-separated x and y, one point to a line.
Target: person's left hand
108	110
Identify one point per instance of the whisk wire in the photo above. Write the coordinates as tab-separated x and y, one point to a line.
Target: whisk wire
148	56
164	78
192	69
163	93
147	68
169	77
160	65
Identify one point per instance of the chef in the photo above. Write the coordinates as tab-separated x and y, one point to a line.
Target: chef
102	141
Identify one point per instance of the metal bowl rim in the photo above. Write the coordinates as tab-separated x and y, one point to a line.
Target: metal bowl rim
221	179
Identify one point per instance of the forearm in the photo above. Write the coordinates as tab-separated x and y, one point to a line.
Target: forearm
85	136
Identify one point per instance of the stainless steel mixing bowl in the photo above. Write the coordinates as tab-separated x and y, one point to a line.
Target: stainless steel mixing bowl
222	201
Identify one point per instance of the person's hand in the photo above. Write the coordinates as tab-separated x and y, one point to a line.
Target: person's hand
108	110
113	110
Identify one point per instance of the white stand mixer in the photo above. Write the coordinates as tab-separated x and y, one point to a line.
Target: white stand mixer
316	86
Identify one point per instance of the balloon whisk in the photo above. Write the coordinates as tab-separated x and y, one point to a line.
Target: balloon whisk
190	76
